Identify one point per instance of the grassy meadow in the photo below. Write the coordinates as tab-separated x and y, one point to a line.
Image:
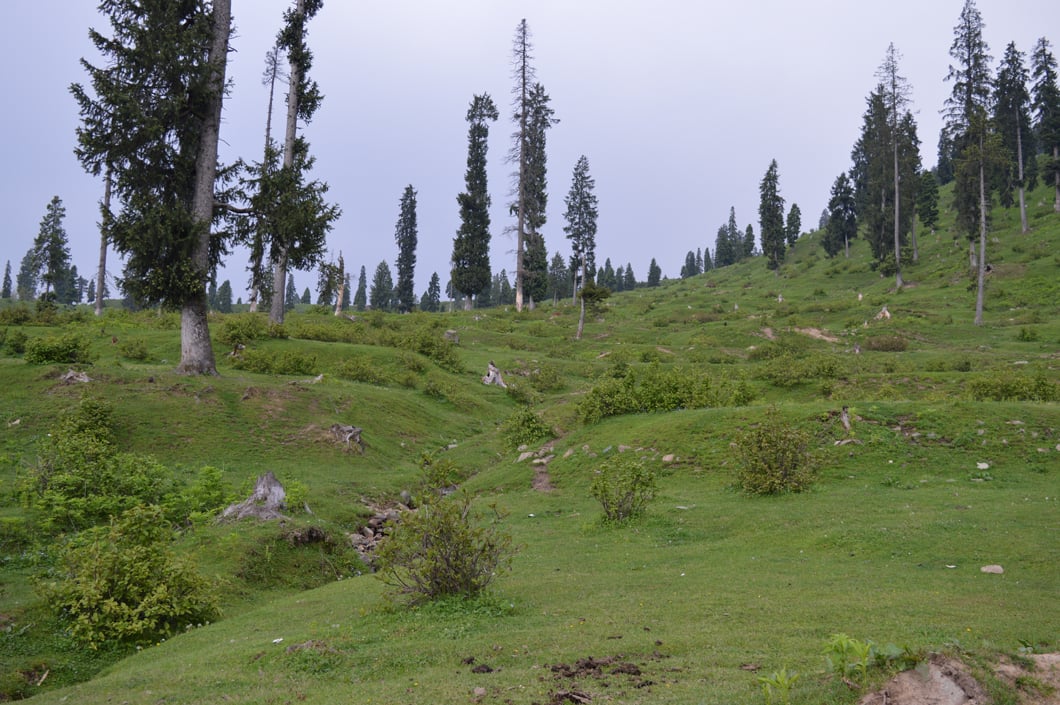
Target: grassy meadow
952	463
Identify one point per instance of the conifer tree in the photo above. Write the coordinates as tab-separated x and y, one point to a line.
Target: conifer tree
381	295
51	248
1047	113
842	224
224	297
471	258
290	297
5	293
1012	103
793	224
307	296
749	242
895	90
560	282
432	298
771	217
631	280
405	234
152	121
688	269
360	298
927	200
654	273
581	215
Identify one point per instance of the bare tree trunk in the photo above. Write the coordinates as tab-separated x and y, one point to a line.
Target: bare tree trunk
581	322
196	351
272	67
101	273
912	236
897	227
982	239
1019	158
342	286
524	177
279	278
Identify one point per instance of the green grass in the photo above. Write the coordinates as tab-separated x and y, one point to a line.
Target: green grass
887	545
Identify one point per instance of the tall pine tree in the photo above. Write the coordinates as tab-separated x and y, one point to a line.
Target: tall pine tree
360	298
581	217
471	257
771	217
1012	103
1047	112
405	233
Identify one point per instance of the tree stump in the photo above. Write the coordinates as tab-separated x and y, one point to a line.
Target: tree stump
348	435
266	502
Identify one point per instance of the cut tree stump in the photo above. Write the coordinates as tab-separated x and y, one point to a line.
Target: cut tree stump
349	435
266	503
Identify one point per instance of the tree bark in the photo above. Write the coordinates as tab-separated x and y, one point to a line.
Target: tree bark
982	239
196	350
581	322
101	272
279	278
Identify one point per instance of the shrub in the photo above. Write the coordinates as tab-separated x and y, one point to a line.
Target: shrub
1011	386
66	348
242	328
15	315
362	369
283	363
624	487
524	427
774	457
430	343
437	552
133	349
15	341
788	371
122	583
887	343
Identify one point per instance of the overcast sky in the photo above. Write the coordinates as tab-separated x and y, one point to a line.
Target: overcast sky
679	106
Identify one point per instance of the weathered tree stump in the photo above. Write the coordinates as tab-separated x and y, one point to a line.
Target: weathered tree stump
349	435
266	502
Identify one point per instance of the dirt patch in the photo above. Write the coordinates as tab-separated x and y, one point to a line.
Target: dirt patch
542	482
575	682
817	334
945	681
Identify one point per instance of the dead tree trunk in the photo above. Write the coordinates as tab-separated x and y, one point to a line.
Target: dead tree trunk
267	502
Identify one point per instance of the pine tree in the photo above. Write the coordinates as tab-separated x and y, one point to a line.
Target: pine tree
51	248
631	280
559	279
1047	112
360	298
5	293
153	123
771	217
708	263
405	234
535	262
381	295
211	294
842	224
1012	103
654	273
749	241
27	278
895	90
307	296
978	148
471	259
298	219
581	215
793	224
290	294
327	273
927	200
432	298
688	269
523	73
224	297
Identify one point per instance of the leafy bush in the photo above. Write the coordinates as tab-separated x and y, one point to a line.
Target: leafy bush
15	315
524	427
774	457
887	343
655	388
122	583
133	349
283	363
242	328
430	343
81	479
624	487
66	348
15	341
788	371
437	552
1012	386
362	369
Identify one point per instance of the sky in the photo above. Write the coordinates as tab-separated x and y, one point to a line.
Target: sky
679	106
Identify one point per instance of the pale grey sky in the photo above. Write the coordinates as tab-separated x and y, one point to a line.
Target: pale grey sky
679	106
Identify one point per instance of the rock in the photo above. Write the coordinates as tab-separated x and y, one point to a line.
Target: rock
524	455
669	458
982	466
623	449
570	452
995	569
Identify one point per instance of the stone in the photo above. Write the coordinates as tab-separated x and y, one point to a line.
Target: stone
995	569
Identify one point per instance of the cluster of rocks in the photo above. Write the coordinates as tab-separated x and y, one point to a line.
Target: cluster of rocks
382	521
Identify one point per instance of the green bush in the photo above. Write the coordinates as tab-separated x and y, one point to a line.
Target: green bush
362	369
788	371
437	551
624	487
122	583
242	328
524	428
133	349
887	343
283	363
774	456
67	348
1012	386
15	315
15	341
430	343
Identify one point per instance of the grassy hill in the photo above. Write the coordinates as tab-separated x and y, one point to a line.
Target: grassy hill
952	464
